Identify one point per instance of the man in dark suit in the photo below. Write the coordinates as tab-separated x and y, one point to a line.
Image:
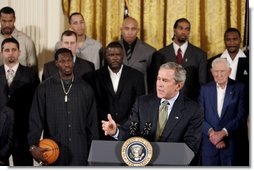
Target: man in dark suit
192	58
137	54
6	132
184	118
116	86
224	128
18	83
81	66
238	60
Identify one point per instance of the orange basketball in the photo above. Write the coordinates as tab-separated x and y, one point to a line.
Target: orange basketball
52	153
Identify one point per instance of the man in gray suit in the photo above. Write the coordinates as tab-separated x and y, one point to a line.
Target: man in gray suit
192	58
137	54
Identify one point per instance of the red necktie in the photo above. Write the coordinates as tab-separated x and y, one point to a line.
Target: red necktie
179	56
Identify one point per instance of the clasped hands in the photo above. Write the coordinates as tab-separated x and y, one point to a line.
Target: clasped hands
216	138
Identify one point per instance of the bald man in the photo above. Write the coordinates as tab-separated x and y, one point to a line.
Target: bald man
137	54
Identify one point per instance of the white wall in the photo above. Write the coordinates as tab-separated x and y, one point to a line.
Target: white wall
42	20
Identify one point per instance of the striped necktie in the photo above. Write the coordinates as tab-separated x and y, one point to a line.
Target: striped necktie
128	54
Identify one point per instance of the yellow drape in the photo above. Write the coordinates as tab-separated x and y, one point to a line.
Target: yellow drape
209	19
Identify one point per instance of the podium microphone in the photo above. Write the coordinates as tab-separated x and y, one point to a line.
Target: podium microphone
133	129
147	130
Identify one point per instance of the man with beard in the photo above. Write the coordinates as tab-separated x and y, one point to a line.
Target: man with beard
27	48
116	86
192	58
64	109
18	84
239	64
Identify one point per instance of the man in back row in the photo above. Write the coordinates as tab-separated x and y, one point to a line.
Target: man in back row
27	48
87	48
81	66
192	58
137	54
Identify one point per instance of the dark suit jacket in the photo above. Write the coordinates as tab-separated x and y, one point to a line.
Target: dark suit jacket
141	57
81	67
194	61
131	85
233	117
6	134
19	98
183	125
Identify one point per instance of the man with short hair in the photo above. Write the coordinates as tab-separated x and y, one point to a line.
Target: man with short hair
87	48
27	48
18	84
116	86
181	121
81	66
224	127
137	53
64	109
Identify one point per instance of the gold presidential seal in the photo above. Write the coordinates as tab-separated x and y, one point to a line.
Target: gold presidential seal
137	151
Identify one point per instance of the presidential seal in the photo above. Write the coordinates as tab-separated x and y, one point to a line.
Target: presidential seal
137	151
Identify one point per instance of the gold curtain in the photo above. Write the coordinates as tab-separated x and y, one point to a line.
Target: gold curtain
209	19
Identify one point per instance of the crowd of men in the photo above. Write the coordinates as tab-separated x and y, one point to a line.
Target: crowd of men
90	92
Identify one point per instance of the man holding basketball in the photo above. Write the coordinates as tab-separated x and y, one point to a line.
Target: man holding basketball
64	110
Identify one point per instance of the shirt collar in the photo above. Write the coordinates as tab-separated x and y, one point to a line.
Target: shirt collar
240	54
118	73
126	45
172	100
14	68
183	47
219	87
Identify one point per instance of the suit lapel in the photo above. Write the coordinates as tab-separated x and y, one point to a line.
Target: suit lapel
171	56
228	96
213	95
107	80
122	80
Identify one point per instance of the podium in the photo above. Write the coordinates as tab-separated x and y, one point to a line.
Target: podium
108	153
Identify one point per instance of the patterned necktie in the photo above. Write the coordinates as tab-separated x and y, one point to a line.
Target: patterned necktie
129	53
179	56
10	76
163	115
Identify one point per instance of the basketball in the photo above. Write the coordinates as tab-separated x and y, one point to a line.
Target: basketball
52	153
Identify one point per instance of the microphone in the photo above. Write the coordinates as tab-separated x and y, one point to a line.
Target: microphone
133	128
147	130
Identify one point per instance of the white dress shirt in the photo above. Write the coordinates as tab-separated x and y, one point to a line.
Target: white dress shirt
233	63
115	77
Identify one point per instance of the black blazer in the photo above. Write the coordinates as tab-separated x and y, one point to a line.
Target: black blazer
19	98
194	62
81	67
183	125
131	85
6	134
